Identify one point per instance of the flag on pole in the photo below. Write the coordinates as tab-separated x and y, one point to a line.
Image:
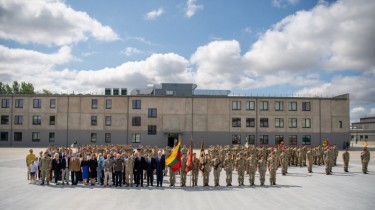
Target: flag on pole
201	156
189	162
174	161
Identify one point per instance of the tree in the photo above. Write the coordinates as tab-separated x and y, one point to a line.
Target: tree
47	92
16	87
27	88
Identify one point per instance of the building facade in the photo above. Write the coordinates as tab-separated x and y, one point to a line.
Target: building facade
41	120
364	130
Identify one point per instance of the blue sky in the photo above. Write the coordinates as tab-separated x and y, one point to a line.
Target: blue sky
252	47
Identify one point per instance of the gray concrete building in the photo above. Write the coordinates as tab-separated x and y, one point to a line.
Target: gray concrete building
158	116
364	130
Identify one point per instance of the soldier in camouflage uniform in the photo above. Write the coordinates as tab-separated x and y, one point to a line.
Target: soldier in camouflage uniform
217	165
252	163
262	167
365	159
272	167
346	158
45	167
129	167
327	162
335	154
228	167
310	160
206	170
195	170
182	170
283	162
240	166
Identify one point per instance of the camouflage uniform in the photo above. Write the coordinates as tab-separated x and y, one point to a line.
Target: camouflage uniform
240	165
228	167
217	165
284	162
365	158
309	157
129	166
346	157
45	167
206	170
195	171
272	167
252	164
262	167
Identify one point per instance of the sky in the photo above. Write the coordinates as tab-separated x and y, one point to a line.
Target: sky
251	47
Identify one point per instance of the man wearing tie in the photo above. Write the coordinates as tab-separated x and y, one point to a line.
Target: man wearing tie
150	168
160	167
139	165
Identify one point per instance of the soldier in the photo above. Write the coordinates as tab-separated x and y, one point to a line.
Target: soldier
252	165
206	170
365	158
240	166
129	170
284	162
310	159
335	154
45	167
195	170
228	167
262	167
272	167
345	158
327	162
172	177
182	170
217	165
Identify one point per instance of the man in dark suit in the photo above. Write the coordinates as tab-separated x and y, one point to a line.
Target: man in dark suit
150	168
160	167
139	165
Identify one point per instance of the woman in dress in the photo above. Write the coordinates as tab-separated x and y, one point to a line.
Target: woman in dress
85	169
93	168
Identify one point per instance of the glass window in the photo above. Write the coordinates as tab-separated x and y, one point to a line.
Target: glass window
136	138
35	136
306	140
263	122
5	103
279	105
94	103
108	120
236	105
4	119
52	120
292	122
108	103
37	120
236	122
136	121
279	122
4	136
136	104
250	139
18	103
292	106
93	137
306	123
152	113
94	120
236	139
263	105
52	103
37	103
18	119
279	139
263	139
107	138
340	124
293	140
51	137
17	136
250	122
250	105
306	106
152	130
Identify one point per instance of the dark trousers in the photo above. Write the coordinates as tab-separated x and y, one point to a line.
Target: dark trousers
118	175
159	177
74	176
139	178
79	176
102	177
113	178
123	177
150	177
39	173
56	173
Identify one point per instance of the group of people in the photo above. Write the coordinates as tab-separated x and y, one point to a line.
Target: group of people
118	165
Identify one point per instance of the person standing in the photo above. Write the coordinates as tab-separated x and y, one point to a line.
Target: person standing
195	170
119	168
139	165
74	168
45	166
182	170
262	168
100	169
365	159
160	167
310	160
346	158
150	169
129	170
108	169
272	167
206	170
240	166
56	167
228	167
65	169
93	169
283	162
252	165
327	162
85	169
33	171
30	157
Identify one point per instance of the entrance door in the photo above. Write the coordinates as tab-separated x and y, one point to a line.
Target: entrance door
171	139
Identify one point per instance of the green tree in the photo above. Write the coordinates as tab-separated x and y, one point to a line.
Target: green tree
16	87
47	92
27	88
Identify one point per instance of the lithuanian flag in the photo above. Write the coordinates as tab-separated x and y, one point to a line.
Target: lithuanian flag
174	161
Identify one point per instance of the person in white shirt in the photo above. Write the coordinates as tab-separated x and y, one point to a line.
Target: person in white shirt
33	170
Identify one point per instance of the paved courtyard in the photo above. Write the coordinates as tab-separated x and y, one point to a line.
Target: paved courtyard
297	190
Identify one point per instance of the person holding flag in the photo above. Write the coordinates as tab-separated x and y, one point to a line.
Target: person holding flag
174	163
195	170
189	161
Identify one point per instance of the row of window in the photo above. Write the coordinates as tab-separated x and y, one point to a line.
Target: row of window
18	120
264	139
18	103
264	105
279	122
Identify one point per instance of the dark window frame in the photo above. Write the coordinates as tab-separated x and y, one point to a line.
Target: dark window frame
250	105
152	112
37	120
5	103
94	103
279	105
107	137
18	119
52	103
136	138
250	139
236	105
263	122
250	122
17	136
94	137
94	120
293	140
306	106
108	120
51	137
108	103
263	139
37	103
35	136
4	136
151	130
18	103
136	121
136	104
4	119
263	106
236	122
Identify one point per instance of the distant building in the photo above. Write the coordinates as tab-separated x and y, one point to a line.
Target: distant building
156	115
364	130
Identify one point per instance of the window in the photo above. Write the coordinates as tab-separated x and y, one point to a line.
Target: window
306	123
136	121
306	140
250	122
293	140
51	137
279	122
306	106
152	113
35	136
250	139
18	119
263	105
5	103
236	139
236	105
4	119
263	139
292	122
37	120
107	138
263	122
250	105
93	137
279	139
4	136
37	103
136	104
94	120
108	103
52	103
136	138
17	136
52	120
108	120
279	105
94	103
152	130
18	103
340	123
236	122
292	106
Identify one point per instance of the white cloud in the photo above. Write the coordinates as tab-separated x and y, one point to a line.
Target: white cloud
283	3
152	15
129	51
359	112
49	23
192	8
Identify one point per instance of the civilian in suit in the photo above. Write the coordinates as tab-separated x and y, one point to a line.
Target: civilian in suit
150	169
160	167
74	168
56	167
65	169
139	166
